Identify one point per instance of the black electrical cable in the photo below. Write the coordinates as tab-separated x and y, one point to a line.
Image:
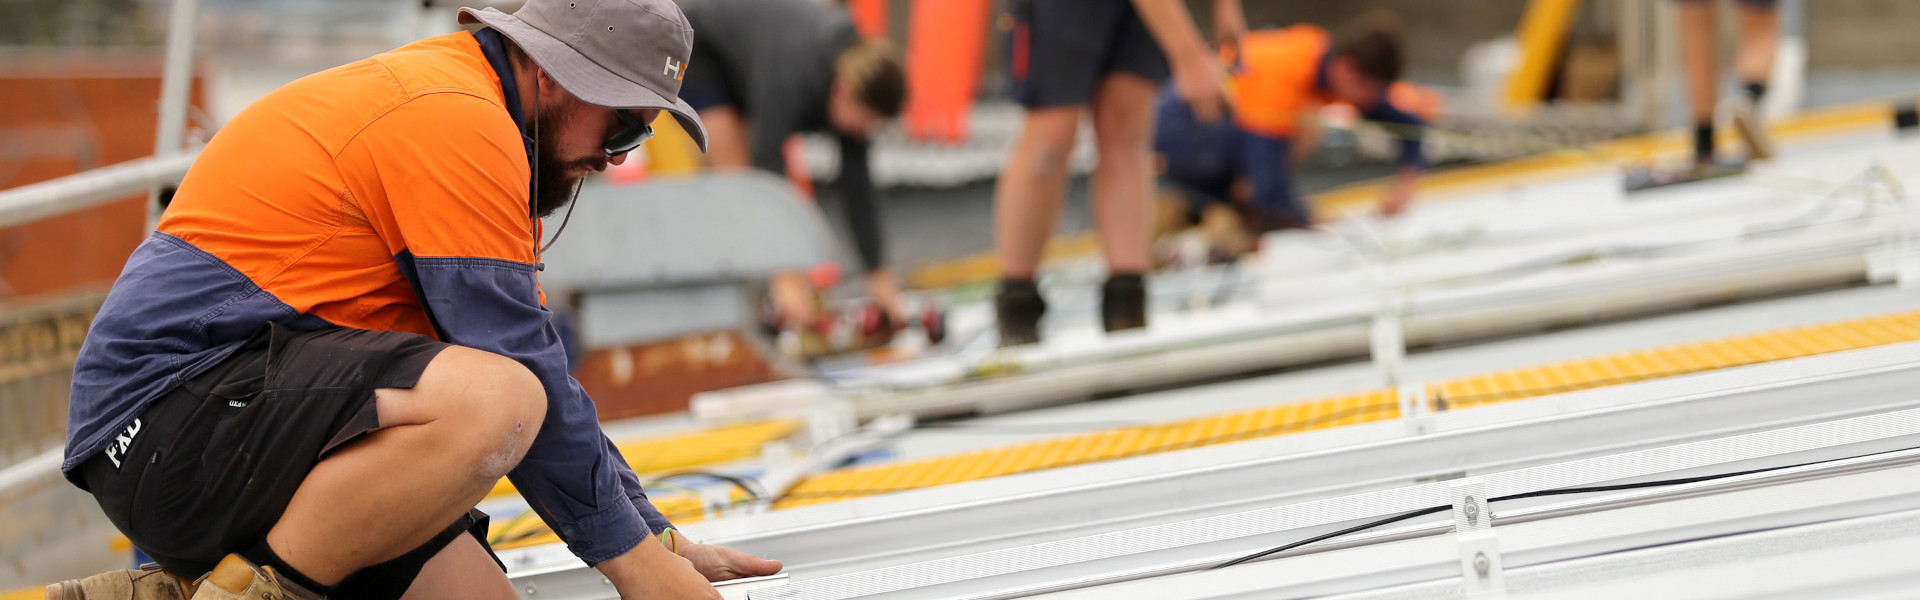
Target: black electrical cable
1534	494
1328	536
739	482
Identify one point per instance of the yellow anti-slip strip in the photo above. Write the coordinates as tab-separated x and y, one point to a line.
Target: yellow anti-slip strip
1658	147
1357	408
694	449
1311	415
25	593
1677	360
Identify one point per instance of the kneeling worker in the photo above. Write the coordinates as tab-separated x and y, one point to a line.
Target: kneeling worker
1281	78
336	342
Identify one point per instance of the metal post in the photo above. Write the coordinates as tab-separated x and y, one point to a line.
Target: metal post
1787	84
1637	74
175	85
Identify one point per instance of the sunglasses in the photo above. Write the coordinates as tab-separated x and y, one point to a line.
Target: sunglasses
632	136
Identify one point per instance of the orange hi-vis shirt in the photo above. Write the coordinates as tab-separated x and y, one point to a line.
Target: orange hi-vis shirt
1279	78
1276	80
388	194
409	151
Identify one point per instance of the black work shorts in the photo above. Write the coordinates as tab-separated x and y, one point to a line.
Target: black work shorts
1060	49
212	464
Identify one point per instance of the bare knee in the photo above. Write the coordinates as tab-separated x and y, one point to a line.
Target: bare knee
1046	140
514	404
1125	137
493	405
1130	155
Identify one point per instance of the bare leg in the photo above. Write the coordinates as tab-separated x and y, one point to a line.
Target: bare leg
462	570
1759	33
1027	197
440	448
1123	181
1700	58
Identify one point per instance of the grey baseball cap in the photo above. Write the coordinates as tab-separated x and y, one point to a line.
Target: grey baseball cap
614	53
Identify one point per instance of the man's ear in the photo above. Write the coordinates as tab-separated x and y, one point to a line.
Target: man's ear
1344	64
549	90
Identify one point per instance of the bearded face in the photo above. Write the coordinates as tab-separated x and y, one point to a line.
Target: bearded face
558	175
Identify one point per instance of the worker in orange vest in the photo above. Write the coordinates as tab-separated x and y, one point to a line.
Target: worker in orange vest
1281	79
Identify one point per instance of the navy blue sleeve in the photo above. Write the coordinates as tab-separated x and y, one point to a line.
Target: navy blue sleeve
1408	128
572	475
655	521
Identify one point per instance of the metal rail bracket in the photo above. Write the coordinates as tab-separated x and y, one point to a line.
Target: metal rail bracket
1480	565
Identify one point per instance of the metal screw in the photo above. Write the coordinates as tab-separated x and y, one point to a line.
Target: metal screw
1481	565
1473	511
530	591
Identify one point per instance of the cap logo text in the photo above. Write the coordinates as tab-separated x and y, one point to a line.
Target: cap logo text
676	70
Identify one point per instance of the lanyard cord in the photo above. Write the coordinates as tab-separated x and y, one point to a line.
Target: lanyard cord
538	248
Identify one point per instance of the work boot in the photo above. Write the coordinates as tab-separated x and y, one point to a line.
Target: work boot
237	579
146	583
1226	233
1018	307
1123	303
1753	131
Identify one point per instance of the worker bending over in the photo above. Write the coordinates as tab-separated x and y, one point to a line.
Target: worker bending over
768	69
336	343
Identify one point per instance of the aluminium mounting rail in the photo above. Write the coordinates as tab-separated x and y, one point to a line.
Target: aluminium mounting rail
1852	468
876	532
1817	259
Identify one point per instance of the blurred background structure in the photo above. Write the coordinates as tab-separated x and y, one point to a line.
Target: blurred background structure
83	87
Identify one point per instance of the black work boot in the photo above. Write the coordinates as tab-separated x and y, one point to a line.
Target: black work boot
1123	303
1018	307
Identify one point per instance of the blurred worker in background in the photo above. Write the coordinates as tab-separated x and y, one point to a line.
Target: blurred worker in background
764	70
1281	79
1106	57
1699	49
335	344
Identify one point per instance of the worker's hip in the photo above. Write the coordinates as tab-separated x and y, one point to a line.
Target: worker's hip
208	468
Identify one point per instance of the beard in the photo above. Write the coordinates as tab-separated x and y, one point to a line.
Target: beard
554	183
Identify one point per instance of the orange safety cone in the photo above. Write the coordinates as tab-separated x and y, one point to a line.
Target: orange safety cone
946	53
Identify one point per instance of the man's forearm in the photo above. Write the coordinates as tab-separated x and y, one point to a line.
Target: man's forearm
1400	190
1229	20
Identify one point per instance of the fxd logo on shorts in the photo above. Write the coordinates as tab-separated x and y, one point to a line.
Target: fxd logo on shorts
118	447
